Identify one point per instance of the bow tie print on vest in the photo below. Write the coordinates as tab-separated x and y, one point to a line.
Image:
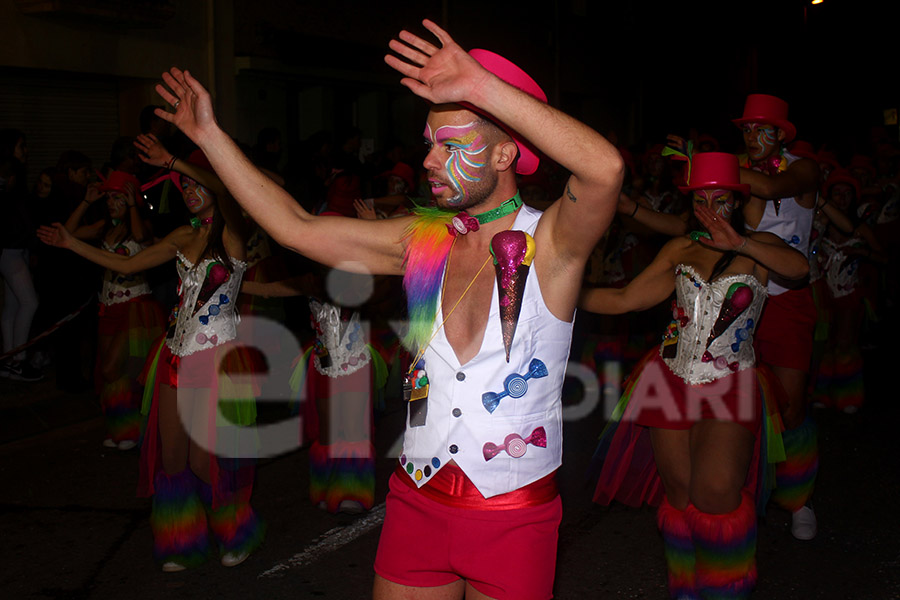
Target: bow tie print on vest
514	385
515	445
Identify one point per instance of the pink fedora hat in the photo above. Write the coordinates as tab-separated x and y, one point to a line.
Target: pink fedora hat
714	170
763	108
516	77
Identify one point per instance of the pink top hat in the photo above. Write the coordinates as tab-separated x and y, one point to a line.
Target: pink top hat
841	175
516	77
714	170
762	108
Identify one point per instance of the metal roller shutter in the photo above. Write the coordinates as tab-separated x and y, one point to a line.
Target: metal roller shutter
59	112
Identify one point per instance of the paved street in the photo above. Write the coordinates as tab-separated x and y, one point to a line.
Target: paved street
73	528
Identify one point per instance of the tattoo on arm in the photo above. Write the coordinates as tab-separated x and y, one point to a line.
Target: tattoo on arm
570	194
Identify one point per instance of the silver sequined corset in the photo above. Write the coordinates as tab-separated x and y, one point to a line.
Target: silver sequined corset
206	315
118	287
711	335
341	344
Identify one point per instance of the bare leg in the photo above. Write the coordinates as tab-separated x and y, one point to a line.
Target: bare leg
794	383
671	450
174	441
720	457
202	429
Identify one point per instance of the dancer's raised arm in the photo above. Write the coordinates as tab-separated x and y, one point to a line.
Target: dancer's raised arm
352	244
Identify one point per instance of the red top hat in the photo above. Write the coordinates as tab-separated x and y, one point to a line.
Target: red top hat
404	172
762	108
116	181
714	170
516	77
841	175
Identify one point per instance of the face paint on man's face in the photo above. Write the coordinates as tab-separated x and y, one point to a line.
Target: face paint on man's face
721	201
761	139
466	157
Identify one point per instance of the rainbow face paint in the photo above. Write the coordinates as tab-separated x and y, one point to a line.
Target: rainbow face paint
196	196
466	158
721	201
761	140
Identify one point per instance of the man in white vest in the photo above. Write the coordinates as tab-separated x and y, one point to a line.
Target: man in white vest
492	285
784	197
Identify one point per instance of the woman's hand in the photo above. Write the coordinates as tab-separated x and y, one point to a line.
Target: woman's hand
152	151
722	234
93	193
55	235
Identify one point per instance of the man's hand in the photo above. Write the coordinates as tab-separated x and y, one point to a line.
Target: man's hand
440	75
192	103
152	151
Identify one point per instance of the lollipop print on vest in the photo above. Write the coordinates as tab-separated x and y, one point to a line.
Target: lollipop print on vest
513	252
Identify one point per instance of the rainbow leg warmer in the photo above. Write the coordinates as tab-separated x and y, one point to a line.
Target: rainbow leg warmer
120	408
795	478
342	471
178	520
680	554
234	523
726	550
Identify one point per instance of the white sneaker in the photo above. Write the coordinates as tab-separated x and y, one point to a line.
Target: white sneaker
172	567
127	444
233	559
109	443
351	507
803	524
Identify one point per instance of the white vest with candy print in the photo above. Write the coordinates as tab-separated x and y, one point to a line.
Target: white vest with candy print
206	315
520	440
792	223
118	287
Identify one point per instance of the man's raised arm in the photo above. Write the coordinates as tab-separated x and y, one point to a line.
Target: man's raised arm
352	244
449	75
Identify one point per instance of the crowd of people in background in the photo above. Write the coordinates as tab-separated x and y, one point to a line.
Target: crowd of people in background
845	207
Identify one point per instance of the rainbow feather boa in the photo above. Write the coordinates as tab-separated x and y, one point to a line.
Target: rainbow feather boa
428	244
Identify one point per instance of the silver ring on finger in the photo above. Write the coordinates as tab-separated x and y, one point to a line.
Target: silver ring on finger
177	102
